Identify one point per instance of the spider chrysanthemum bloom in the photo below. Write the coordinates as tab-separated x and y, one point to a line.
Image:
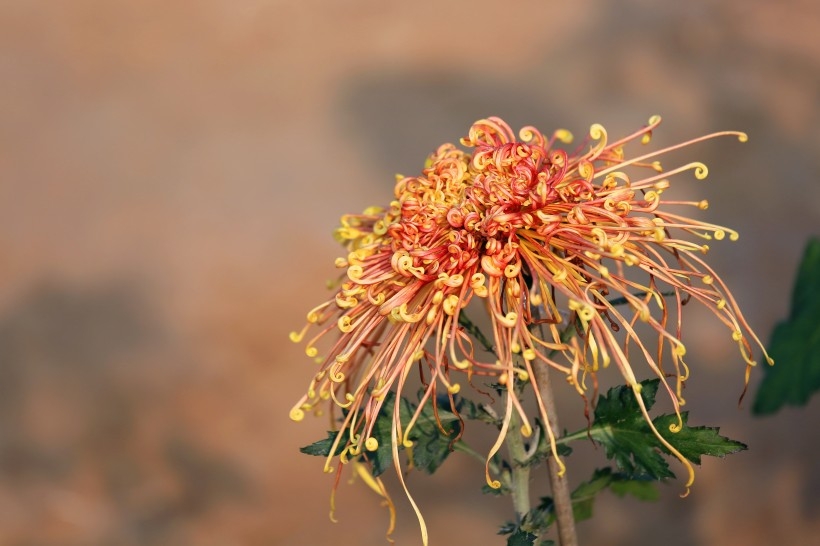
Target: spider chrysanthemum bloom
561	239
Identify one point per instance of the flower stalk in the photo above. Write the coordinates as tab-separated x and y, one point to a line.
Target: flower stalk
564	517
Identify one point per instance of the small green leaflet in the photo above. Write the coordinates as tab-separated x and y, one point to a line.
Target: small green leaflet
521	538
795	343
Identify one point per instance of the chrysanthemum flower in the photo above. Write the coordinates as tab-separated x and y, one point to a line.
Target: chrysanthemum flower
540	235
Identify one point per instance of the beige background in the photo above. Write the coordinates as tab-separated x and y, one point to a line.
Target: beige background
170	173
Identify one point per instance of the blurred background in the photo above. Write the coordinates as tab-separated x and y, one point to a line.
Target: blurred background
171	172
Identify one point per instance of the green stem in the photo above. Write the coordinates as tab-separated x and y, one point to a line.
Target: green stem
503	474
465	448
520	479
579	435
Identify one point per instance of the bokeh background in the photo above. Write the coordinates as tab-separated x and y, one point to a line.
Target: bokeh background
170	173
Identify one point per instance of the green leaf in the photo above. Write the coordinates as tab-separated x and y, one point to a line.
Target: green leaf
322	447
465	322
621	484
431	444
795	344
693	442
621	399
433	438
620	426
521	538
641	489
583	497
627	438
382	458
476	412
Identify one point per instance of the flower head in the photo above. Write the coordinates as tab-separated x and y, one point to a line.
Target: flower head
549	241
